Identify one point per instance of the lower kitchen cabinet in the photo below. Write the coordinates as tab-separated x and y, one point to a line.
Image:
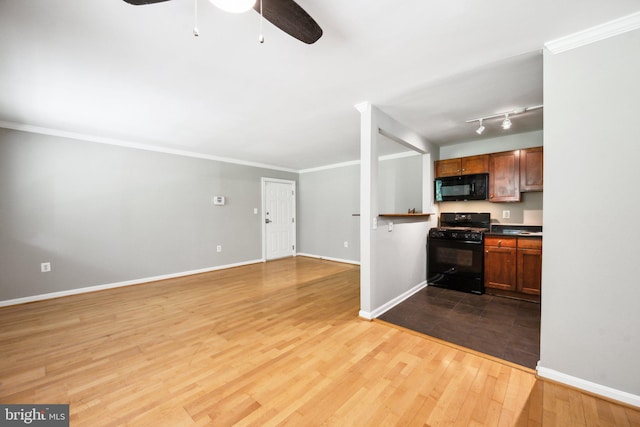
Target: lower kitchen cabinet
513	266
529	266
500	263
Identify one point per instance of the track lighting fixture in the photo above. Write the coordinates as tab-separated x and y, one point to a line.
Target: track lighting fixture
506	122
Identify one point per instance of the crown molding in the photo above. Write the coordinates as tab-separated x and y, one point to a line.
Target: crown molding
331	166
594	34
135	145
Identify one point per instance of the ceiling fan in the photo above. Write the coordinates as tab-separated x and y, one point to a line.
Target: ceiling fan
284	14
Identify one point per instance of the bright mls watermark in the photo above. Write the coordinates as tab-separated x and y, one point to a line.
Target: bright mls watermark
34	415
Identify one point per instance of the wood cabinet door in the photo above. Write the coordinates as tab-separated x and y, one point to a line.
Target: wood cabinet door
500	268
504	176
529	271
531	169
475	164
449	167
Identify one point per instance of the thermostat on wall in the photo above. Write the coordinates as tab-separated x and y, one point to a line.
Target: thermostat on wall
218	200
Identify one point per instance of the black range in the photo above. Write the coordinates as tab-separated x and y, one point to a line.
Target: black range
455	254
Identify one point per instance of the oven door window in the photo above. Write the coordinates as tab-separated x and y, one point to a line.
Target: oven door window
445	255
460	257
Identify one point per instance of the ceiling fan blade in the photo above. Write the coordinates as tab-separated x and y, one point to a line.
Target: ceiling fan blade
290	18
142	2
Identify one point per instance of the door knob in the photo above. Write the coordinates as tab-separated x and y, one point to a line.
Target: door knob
267	221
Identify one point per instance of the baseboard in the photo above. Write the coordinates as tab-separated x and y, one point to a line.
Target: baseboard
88	289
369	315
346	261
588	386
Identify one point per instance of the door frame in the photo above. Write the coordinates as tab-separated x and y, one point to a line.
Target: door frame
294	225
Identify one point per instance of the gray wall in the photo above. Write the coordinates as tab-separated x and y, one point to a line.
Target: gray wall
104	214
591	299
327	201
400	184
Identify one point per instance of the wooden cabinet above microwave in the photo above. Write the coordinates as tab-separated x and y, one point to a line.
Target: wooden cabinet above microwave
462	166
510	172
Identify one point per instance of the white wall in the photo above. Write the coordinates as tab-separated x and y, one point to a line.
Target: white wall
393	263
590	335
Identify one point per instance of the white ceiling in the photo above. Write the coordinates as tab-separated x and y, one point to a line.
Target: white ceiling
136	73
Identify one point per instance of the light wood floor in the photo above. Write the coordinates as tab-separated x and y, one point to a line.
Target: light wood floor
268	344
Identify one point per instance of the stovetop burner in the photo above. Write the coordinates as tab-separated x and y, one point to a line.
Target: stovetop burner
467	229
462	226
465	220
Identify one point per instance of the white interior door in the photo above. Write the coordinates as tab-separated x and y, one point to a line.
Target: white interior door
279	218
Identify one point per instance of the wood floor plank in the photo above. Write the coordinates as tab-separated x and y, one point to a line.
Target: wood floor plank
271	344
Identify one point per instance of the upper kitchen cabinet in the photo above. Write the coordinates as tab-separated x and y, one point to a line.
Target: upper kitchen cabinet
475	164
504	176
449	167
462	166
531	169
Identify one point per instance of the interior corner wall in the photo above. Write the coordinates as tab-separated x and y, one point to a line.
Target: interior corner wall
590	330
104	214
329	201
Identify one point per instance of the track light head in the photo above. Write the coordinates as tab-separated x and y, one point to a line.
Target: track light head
506	123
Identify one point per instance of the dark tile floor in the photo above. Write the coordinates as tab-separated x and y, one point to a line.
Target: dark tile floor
498	326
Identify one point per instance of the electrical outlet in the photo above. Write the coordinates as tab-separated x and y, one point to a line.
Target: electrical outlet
506	214
346	244
390	226
255	211
219	248
45	267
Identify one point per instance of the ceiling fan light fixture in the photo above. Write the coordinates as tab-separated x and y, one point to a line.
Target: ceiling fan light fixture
506	123
480	128
234	6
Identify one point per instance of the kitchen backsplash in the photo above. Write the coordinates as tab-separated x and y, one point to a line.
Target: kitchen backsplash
528	211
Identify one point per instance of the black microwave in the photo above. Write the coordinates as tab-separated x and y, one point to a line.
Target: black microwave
466	187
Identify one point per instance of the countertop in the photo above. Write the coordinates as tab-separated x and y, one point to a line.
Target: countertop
515	230
537	234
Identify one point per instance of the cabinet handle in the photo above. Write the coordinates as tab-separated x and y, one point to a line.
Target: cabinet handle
499	243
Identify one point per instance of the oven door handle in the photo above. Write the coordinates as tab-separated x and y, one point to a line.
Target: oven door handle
472	242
